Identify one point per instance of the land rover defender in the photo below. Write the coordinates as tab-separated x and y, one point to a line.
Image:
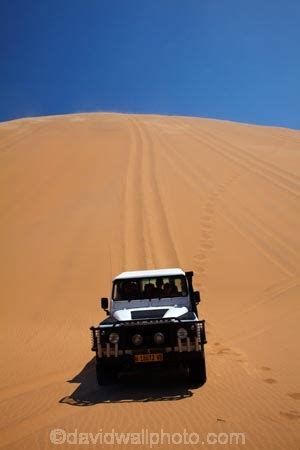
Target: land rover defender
152	321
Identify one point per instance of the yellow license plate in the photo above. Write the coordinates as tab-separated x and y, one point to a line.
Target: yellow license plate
150	357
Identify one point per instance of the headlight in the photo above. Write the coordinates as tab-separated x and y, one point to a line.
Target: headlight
159	338
113	338
182	333
137	339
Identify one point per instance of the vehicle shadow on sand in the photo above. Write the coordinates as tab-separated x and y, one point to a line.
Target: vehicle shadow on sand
144	386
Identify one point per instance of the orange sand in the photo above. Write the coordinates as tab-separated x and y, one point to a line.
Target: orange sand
84	197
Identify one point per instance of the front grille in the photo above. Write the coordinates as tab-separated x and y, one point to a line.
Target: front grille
148	332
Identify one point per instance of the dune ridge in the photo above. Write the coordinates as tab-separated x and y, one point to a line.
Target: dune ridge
86	196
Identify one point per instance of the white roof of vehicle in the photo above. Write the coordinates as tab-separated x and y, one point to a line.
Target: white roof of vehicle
149	273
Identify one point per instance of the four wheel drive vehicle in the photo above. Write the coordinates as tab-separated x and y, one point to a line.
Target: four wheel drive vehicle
152	321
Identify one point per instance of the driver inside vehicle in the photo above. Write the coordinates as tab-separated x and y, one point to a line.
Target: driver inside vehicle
170	289
129	290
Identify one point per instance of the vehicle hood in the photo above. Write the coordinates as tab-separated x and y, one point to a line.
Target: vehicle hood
163	312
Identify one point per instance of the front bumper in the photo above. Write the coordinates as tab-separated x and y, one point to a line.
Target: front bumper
171	359
176	351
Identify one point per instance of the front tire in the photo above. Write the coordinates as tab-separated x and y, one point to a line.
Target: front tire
197	372
105	377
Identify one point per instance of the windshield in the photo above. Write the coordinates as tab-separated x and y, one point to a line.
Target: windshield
147	288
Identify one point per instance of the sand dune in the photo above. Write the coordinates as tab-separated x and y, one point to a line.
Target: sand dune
84	197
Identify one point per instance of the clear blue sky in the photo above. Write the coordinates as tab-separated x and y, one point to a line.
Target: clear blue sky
229	59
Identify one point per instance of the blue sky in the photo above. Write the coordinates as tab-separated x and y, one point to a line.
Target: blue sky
228	59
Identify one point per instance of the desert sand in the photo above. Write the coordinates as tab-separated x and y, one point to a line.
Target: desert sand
86	196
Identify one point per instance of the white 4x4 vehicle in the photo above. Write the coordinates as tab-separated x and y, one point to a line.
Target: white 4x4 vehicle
152	320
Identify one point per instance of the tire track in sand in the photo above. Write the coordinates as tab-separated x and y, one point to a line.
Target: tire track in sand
159	243
238	156
249	156
198	181
273	247
175	161
270	241
10	142
134	255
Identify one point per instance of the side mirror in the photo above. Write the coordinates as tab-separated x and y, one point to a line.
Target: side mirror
197	297
104	303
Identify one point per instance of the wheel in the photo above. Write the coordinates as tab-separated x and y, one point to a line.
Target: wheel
197	372
105	376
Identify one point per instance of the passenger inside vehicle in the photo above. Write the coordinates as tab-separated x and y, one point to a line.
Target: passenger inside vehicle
170	289
129	290
149	290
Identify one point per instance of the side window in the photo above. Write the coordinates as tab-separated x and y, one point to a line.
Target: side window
183	287
143	283
178	285
116	291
